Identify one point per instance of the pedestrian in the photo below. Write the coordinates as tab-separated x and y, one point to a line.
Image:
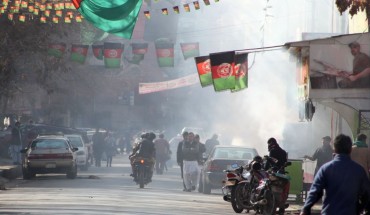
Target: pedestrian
360	153
110	148
16	144
323	154
162	149
180	158
190	153
211	143
343	181
98	147
202	149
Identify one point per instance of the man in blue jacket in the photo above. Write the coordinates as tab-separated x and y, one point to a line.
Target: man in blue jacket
343	180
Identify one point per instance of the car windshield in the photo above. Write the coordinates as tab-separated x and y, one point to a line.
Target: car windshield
75	141
49	144
234	153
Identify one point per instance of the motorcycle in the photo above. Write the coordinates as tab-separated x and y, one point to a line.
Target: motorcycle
142	175
233	177
264	191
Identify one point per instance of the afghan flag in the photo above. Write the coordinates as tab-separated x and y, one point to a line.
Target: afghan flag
98	51
241	71
165	54
138	51
79	53
112	54
223	73
190	50
204	70
56	49
113	16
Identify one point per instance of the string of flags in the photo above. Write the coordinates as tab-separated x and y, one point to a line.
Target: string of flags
224	70
187	7
112	53
42	10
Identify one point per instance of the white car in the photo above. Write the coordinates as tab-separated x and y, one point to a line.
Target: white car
82	153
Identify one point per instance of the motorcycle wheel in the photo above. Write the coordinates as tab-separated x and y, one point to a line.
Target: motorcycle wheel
269	208
141	175
235	194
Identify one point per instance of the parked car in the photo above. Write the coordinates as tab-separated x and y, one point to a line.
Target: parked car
82	153
221	158
49	154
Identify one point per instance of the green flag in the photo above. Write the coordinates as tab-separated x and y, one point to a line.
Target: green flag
241	71
112	54
117	17
190	50
165	54
204	70
79	52
223	73
56	49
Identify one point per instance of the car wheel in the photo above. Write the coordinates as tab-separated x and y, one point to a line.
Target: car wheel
72	173
206	187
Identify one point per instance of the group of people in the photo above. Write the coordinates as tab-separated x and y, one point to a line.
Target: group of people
341	177
103	143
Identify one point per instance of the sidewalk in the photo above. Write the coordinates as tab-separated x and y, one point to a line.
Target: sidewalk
295	208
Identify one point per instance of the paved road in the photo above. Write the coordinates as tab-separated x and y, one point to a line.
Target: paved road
110	191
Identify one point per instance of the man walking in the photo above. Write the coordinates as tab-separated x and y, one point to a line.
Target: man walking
190	152
16	144
180	158
162	149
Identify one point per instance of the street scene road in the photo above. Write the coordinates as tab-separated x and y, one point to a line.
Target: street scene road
108	190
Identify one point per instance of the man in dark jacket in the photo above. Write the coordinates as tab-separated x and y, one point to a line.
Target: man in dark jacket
180	158
276	152
280	158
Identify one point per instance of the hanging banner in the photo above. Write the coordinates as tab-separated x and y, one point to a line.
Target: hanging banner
223	73
165	54
145	88
79	53
204	70
190	50
56	49
112	54
241	71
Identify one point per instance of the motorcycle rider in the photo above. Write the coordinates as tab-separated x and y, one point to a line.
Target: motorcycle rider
276	152
280	157
144	149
